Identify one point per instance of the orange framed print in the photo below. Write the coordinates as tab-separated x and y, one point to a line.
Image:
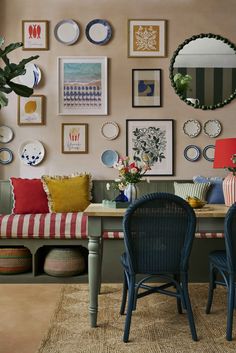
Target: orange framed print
74	138
146	38
35	35
31	110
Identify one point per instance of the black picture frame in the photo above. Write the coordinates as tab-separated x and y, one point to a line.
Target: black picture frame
146	88
152	141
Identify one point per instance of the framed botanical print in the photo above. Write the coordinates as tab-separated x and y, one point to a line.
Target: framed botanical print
82	85
146	38
31	110
35	35
74	138
146	88
151	141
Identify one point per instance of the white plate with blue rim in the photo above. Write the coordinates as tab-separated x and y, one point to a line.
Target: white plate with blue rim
31	152
67	32
98	31
109	158
209	153
192	153
6	155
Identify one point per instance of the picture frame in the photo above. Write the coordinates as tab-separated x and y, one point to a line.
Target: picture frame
146	38
82	85
146	88
31	110
74	138
151	141
35	35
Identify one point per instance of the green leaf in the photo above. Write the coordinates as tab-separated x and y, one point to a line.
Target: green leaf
10	48
1	41
5	89
21	90
3	100
25	61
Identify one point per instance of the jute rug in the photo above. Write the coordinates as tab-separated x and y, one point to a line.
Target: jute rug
156	326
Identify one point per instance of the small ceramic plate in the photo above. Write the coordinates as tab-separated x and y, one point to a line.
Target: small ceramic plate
98	32
32	76
209	153
6	134
110	130
212	128
109	158
192	153
6	155
67	32
32	152
192	128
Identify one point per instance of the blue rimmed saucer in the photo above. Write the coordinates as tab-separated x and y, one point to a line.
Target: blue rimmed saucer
109	158
98	31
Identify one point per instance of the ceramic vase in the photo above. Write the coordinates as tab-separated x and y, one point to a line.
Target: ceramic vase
131	192
121	197
229	189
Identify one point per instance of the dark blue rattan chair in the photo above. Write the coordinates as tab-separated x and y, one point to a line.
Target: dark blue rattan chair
159	230
223	265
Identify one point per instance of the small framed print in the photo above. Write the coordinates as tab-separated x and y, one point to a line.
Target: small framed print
146	38
151	141
31	110
146	88
35	35
74	138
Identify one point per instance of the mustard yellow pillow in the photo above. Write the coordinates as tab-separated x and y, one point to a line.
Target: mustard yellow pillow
68	193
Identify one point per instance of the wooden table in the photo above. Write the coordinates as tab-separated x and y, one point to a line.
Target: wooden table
210	218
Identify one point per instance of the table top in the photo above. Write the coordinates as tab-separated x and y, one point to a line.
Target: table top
207	211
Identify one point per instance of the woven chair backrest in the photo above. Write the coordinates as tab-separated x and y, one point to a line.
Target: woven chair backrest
230	237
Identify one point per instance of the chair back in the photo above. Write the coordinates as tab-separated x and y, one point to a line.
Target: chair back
159	229
230	237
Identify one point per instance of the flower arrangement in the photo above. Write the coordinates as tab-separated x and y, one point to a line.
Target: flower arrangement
129	172
233	169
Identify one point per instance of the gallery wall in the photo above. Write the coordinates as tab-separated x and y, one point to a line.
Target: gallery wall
184	19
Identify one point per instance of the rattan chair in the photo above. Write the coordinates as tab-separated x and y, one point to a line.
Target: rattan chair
223	264
159	230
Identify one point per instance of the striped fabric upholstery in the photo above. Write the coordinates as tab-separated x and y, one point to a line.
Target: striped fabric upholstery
189	189
44	225
200	235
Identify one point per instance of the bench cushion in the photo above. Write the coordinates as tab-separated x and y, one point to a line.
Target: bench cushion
44	225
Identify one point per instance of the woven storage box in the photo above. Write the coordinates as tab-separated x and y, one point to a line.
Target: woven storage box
15	260
64	262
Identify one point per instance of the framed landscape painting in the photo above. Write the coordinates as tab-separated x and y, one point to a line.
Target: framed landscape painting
35	35
82	85
74	138
146	88
146	38
151	141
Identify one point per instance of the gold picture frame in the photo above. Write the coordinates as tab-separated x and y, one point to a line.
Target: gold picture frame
31	110
74	138
35	35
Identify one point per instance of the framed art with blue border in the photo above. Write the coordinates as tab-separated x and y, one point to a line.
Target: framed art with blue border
151	141
146	88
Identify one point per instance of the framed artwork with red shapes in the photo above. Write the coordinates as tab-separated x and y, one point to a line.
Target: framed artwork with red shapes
74	138
35	35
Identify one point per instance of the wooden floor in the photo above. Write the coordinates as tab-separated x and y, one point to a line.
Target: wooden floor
25	312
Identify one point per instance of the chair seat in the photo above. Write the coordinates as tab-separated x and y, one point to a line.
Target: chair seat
219	259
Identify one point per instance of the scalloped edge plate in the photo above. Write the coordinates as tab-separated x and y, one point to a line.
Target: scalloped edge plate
192	125
110	130
212	125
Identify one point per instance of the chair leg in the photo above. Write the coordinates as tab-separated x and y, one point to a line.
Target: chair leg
178	300
212	286
131	295
124	295
189	308
230	308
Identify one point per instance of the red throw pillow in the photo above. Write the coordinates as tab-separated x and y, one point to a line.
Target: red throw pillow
29	196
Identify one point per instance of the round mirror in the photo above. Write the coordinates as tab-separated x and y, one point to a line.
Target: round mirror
203	71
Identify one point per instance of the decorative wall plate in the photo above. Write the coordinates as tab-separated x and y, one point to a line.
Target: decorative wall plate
212	128
6	155
6	134
32	152
209	153
32	76
109	158
192	153
67	32
192	128
98	32
110	130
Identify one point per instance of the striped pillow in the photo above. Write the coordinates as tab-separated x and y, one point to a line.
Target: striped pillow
198	190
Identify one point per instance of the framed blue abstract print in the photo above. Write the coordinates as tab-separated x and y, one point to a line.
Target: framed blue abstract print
146	88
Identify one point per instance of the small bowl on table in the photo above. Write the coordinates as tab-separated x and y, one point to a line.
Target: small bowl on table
195	202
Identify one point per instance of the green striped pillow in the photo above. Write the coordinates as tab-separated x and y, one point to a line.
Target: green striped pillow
198	190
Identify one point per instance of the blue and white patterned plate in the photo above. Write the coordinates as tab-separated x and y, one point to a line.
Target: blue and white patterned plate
32	152
192	153
98	31
209	153
109	158
6	155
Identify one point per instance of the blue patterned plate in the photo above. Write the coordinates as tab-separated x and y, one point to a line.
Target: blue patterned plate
31	152
192	153
209	153
98	32
6	155
109	158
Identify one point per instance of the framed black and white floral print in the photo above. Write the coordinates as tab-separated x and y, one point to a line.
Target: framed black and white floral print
146	88
151	141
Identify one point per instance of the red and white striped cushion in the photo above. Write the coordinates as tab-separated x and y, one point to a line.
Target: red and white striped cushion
44	225
200	235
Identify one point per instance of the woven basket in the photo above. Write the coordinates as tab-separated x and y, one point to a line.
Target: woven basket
15	260
64	262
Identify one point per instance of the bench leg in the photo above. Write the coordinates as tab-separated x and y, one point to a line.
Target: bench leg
94	277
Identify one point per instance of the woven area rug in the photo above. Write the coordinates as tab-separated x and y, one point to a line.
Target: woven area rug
156	326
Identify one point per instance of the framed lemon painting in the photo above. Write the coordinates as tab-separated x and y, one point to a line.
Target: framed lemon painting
31	110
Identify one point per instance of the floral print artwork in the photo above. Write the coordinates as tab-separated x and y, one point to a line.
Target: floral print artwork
146	38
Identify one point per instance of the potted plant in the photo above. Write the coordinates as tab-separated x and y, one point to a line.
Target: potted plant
182	83
10	71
